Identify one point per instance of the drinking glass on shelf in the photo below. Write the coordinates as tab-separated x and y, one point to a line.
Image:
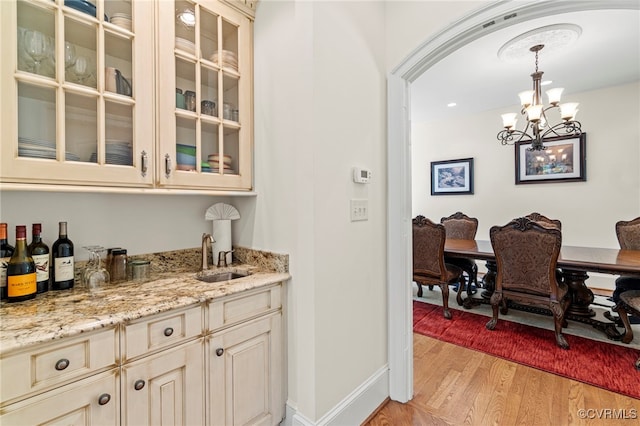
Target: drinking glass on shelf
69	55
81	69
37	46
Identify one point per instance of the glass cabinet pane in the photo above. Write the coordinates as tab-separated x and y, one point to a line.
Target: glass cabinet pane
208	34
209	143
229	55
36	39
185	144
231	149
119	13
118	65
119	134
81	40
186	84
81	118
36	121
185	25
208	91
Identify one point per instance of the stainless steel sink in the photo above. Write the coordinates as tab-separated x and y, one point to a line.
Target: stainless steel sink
220	276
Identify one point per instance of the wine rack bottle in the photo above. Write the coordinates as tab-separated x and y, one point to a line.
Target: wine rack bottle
63	265
6	250
39	251
21	271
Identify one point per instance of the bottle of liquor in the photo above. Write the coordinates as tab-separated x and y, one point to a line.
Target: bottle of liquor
63	266
6	250
39	251
21	271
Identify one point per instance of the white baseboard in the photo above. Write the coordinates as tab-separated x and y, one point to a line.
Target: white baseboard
353	409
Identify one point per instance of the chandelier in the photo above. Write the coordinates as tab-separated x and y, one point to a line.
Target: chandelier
537	126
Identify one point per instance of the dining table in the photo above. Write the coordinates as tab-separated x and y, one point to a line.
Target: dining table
574	262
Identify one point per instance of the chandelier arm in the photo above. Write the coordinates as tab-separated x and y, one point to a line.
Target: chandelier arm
568	128
511	137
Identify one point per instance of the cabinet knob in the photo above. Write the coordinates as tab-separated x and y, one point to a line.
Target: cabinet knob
168	331
167	165
144	163
219	351
139	384
104	399
62	364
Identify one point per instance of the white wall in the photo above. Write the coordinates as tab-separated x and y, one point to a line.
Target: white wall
320	80
588	210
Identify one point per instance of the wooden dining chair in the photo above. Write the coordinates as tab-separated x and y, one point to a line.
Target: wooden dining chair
429	267
462	227
628	233
526	256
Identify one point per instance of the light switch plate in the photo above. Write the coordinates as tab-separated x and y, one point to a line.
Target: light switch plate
359	209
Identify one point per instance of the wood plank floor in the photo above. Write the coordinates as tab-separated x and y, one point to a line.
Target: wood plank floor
459	386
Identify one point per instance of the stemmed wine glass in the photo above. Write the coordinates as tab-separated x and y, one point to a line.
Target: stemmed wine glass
94	275
69	55
81	69
37	46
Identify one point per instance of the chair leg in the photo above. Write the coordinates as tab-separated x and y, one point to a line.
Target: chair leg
445	300
560	340
496	299
628	332
419	289
475	275
461	283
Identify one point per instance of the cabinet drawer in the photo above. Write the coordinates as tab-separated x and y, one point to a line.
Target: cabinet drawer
161	331
234	309
52	364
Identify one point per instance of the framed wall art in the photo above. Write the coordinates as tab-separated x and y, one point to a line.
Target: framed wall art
452	177
563	160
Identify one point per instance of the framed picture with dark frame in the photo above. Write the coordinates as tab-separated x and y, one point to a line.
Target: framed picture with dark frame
563	160
452	177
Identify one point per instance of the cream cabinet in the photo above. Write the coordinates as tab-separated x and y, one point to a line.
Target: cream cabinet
205	102
77	88
245	353
91	95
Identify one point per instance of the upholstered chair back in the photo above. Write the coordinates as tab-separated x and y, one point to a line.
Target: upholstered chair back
460	226
526	255
537	217
428	248
628	233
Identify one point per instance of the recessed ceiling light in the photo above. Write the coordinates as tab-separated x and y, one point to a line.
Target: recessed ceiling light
451	104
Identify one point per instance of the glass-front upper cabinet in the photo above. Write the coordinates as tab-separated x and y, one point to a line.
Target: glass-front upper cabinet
205	99
77	85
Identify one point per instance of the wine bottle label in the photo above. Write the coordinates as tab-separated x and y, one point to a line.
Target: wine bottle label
3	271
42	266
21	285
64	268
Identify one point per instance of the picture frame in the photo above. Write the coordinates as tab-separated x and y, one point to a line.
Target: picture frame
564	160
452	177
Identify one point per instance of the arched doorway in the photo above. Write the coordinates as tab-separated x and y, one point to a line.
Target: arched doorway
488	19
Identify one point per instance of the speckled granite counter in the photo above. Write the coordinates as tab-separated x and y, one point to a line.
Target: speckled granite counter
173	284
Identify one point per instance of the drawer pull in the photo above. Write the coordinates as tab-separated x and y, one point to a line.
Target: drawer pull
219	351
167	165
62	364
144	163
139	384
104	399
168	331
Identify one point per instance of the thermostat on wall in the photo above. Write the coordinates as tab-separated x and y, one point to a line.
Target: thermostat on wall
361	175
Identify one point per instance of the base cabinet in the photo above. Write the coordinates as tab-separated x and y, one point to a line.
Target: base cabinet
245	374
91	401
166	388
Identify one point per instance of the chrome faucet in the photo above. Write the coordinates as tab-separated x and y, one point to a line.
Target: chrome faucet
222	258
207	240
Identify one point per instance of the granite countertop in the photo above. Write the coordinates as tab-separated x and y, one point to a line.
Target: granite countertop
57	314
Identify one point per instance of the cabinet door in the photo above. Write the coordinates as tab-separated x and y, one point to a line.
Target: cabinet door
91	401
77	84
205	96
245	383
166	388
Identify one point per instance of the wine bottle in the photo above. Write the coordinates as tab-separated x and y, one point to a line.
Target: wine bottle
63	266
39	251
21	271
6	250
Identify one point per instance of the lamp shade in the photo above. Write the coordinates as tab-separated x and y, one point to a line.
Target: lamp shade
526	98
509	120
568	110
554	95
534	112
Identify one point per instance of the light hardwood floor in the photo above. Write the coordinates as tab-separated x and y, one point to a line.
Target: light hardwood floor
459	386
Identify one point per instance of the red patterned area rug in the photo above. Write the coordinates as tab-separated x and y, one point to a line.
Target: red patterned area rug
607	366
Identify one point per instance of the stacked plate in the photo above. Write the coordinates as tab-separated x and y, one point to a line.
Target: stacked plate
186	45
116	152
214	161
185	157
122	20
34	148
227	59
